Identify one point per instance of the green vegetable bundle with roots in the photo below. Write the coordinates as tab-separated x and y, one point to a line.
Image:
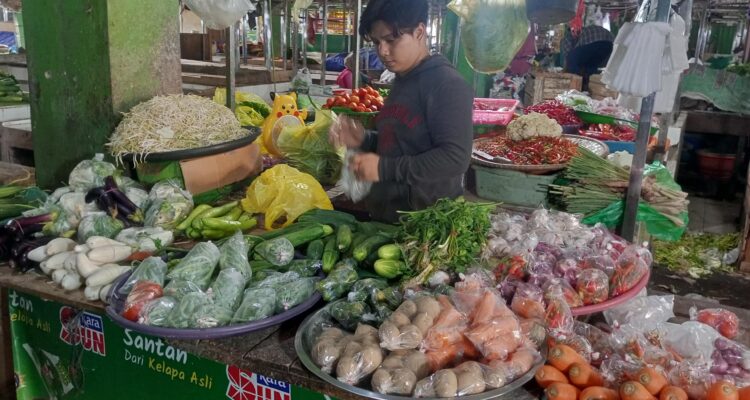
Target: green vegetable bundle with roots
448	235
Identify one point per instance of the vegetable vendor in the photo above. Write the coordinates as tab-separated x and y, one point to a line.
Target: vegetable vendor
422	146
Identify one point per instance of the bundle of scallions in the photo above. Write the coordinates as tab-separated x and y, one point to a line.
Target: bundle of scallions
597	184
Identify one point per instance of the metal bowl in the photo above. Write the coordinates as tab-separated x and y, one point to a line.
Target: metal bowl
597	147
313	326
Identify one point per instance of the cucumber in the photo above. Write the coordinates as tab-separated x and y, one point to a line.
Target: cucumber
357	239
283	231
315	249
328	217
389	269
343	237
389	252
330	254
370	245
308	234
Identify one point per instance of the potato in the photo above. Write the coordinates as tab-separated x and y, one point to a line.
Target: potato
365	333
427	305
403	381
497	375
410	337
408	308
325	354
446	383
399	319
470	378
425	388
372	357
393	361
347	370
388	334
331	333
352	348
417	362
423	322
381	381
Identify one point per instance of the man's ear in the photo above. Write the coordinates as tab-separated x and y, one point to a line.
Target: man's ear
420	32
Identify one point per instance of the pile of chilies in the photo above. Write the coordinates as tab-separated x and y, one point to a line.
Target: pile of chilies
556	110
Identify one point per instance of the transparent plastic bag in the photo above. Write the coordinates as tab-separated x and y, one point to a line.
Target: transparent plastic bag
560	288
499	373
349	313
89	174
593	286
142	293
306	147
630	269
276	281
400	371
407	326
361	357
642	311
328	348
293	293
445	342
198	265
155	312
528	301
338	282
278	251
152	269
99	224
233	254
226	290
724	321
146	239
352	187
183	315
284	191
558	316
211	315
493	329
220	14
179	288
257	304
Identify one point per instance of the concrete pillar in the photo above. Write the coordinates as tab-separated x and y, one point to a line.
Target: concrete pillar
89	61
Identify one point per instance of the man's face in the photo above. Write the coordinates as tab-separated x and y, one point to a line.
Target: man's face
400	54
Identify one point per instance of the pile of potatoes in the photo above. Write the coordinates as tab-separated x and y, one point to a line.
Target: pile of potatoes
407	326
355	357
400	372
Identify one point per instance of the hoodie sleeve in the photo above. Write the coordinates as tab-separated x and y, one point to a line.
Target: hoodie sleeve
448	117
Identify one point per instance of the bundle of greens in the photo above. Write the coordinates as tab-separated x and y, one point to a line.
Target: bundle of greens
697	254
307	148
449	235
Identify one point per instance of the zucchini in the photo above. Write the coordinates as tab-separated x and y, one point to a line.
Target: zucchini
308	234
330	254
373	228
344	237
328	217
315	249
389	252
370	245
389	269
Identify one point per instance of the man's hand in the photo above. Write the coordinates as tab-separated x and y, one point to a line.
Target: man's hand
365	167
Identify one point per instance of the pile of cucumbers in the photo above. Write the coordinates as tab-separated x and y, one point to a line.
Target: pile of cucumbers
10	91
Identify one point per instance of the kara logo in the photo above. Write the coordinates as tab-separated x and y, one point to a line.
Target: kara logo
90	330
245	385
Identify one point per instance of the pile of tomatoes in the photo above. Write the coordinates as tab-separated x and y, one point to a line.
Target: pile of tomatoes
365	99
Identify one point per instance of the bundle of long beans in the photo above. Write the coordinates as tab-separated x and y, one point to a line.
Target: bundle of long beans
598	184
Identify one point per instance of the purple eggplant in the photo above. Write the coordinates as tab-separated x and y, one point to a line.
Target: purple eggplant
123	202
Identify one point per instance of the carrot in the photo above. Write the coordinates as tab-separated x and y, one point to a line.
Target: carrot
562	357
598	393
522	360
584	375
548	375
632	390
672	393
744	393
561	391
653	380
722	390
485	309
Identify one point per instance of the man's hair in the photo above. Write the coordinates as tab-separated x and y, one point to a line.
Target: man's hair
403	16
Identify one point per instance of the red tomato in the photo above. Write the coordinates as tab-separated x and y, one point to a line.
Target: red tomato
378	104
353	107
354	99
366	102
362	92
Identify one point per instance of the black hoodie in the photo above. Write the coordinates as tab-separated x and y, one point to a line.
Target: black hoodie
424	137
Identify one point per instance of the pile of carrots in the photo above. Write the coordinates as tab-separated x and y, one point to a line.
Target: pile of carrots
567	376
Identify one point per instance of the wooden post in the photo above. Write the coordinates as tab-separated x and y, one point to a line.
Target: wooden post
89	61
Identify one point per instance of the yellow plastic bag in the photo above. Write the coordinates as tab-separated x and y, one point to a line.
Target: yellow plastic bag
284	191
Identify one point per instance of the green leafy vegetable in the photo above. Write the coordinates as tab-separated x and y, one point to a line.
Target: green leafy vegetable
696	254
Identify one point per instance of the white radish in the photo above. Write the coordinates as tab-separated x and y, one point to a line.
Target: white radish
56	261
44	269
70	263
104	293
92	292
60	245
110	254
106	274
38	255
99	241
57	275
82	248
71	281
84	266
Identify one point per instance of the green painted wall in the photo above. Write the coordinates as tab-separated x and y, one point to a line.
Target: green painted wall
88	61
71	96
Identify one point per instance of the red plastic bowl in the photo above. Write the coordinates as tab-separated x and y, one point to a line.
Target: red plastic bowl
615	301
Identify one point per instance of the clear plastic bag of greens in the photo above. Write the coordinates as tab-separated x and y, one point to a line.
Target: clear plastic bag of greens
156	311
279	251
152	269
226	289
276	281
233	254
294	293
89	174
99	224
178	288
210	316
338	282
492	31
145	238
306	147
257	303
183	313
284	191
198	265
169	189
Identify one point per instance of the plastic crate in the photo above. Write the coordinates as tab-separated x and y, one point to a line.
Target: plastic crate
512	187
620	146
490	117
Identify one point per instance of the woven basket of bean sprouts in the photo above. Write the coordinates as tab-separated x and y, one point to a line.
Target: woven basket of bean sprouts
170	123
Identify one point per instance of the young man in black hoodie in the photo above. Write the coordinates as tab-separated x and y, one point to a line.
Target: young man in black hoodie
422	146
